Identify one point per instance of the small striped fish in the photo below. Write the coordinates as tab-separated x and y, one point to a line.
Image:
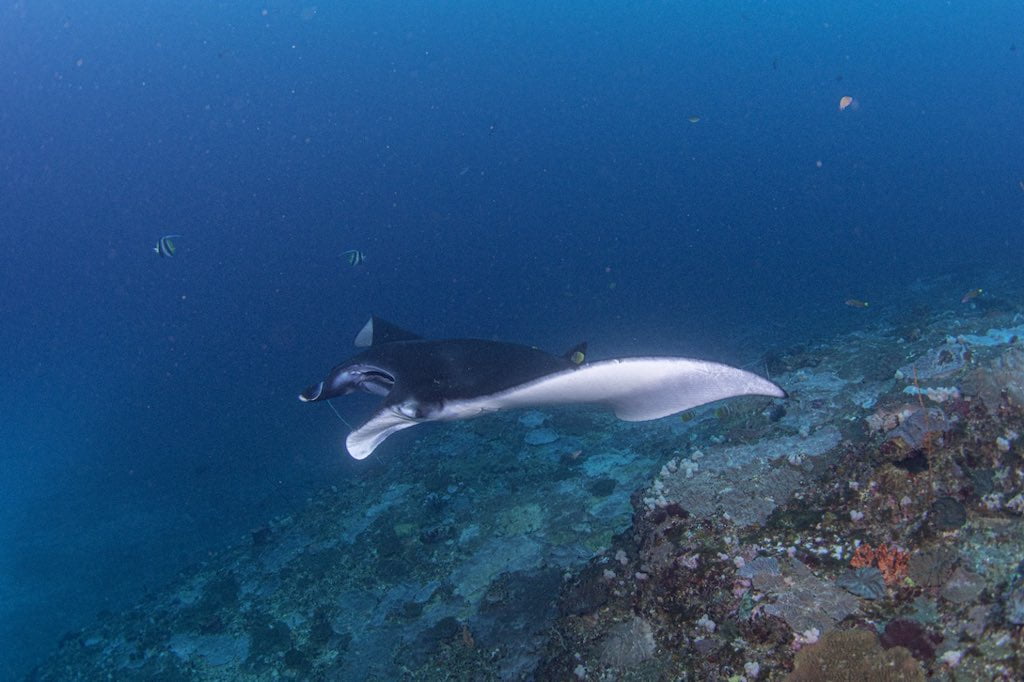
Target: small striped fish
354	257
165	247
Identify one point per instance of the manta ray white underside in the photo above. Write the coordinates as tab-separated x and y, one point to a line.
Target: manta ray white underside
636	389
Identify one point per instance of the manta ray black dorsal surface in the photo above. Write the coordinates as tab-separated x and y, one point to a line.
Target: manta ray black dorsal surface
436	380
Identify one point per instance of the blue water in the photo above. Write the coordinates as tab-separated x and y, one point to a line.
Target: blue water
511	170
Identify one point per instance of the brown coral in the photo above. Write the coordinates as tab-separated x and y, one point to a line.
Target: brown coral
851	655
891	561
1003	380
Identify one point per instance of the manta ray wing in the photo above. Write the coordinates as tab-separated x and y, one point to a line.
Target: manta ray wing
638	389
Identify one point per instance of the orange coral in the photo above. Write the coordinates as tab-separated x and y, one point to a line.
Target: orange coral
863	556
891	561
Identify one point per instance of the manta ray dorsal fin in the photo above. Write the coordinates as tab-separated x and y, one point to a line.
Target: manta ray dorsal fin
364	339
377	331
637	389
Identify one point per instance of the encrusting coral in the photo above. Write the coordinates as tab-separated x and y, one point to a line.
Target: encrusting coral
853	655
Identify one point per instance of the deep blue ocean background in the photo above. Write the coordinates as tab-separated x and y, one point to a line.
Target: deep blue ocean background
515	170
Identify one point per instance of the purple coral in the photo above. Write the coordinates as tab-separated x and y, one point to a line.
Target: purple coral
912	636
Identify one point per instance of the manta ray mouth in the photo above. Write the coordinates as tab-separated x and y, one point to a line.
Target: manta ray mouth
376	381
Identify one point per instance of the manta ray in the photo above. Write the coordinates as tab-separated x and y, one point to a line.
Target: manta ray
424	380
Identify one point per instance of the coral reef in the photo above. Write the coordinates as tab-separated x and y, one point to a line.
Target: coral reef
867	582
936	363
854	655
891	562
1001	383
752	541
627	644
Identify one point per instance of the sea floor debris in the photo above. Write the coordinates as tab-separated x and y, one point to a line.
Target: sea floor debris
854	524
